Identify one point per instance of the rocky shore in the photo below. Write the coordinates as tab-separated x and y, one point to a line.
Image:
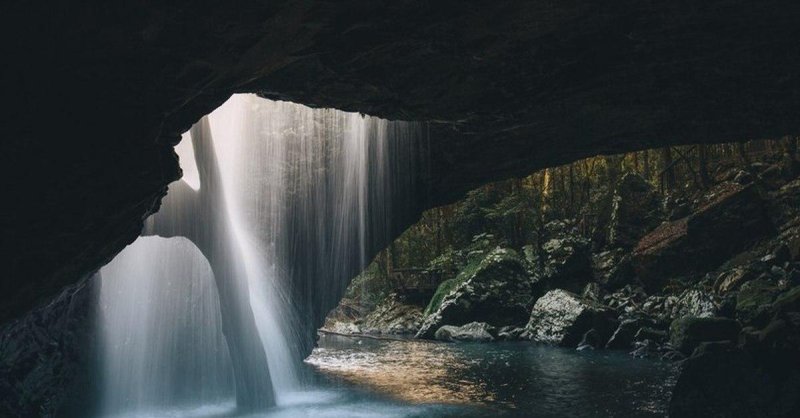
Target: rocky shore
711	281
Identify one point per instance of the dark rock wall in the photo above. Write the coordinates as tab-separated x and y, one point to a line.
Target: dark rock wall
45	357
97	93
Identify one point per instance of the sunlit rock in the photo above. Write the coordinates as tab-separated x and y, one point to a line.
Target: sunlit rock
495	290
474	331
561	318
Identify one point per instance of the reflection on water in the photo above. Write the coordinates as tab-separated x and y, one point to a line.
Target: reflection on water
353	378
518	379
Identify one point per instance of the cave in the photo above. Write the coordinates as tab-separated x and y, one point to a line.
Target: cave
424	103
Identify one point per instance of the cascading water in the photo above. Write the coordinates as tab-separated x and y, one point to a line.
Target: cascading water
292	202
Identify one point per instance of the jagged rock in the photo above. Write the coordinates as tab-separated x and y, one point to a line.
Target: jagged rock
496	290
613	269
393	316
46	357
755	299
687	333
788	301
634	211
730	280
647	333
561	318
591	340
510	333
719	380
343	327
624	335
695	302
566	264
474	331
729	219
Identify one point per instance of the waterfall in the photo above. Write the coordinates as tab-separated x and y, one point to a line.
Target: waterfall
284	205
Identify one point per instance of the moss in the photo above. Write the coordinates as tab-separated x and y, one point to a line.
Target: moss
496	256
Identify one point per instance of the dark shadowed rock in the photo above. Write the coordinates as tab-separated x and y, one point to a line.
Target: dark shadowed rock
562	318
635	210
729	218
624	335
685	334
613	269
754	300
567	263
719	380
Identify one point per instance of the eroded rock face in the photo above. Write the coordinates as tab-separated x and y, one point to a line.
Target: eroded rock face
635	210
688	333
100	95
731	218
565	259
562	318
45	357
497	290
393	316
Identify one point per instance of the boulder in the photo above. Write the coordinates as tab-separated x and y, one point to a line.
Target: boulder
754	300
623	336
694	302
566	264
635	210
510	333
731	280
719	380
562	318
495	289
613	269
393	316
688	332
474	331
727	220
647	333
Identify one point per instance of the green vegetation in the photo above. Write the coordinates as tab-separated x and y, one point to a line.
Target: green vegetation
451	240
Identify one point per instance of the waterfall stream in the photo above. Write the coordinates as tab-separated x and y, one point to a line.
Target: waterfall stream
284	205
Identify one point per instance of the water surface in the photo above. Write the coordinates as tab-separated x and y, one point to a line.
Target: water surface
507	379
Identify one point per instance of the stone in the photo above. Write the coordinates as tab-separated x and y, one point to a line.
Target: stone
496	290
695	302
788	301
635	210
590	341
730	280
647	333
510	333
566	264
755	299
613	269
393	316
728	219
562	318
687	333
624	335
472	332
719	380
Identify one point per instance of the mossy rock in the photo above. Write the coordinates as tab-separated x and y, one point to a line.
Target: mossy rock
494	289
754	299
686	334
